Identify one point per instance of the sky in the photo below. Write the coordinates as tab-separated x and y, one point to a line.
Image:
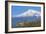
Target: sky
16	10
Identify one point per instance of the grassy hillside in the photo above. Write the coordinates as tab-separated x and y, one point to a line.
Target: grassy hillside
29	24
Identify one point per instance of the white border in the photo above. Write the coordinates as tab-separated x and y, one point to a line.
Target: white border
23	29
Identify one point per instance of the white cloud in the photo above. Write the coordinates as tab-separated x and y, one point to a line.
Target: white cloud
29	12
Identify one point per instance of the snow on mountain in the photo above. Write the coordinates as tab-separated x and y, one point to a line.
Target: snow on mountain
29	12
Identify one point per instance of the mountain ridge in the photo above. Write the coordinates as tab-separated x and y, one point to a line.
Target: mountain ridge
29	12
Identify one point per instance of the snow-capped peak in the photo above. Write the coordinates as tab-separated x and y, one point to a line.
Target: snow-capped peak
29	12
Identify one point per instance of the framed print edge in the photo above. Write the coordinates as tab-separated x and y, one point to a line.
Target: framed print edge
6	17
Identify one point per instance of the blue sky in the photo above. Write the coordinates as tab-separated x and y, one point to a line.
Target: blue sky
16	10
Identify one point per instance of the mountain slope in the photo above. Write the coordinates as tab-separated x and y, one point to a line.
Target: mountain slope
29	13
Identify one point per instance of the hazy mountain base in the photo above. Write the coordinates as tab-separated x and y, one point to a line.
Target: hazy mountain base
29	24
